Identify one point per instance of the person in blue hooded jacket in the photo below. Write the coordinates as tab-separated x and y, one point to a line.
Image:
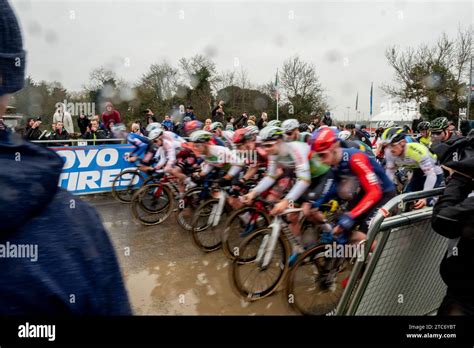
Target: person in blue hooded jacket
67	265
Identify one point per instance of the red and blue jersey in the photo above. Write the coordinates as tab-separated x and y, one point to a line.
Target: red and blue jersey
368	172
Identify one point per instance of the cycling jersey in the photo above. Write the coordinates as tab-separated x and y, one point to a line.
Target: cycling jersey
140	142
424	141
221	157
357	144
295	156
372	179
171	148
415	156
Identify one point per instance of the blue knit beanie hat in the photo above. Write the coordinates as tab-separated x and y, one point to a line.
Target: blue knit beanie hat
12	55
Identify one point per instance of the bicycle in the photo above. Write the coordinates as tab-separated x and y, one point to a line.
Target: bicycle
317	280
205	231
266	252
153	203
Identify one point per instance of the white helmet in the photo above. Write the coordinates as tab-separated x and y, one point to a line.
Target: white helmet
200	136
119	127
344	135
290	124
252	130
154	125
155	133
274	123
271	133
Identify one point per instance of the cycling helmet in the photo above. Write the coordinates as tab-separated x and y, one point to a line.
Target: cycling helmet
323	139
186	119
155	133
387	124
215	125
344	135
253	130
392	135
241	135
154	125
425	125
290	124
119	127
200	136
271	133
303	127
439	124
192	125
274	123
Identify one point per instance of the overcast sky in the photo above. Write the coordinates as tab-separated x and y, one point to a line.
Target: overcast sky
346	40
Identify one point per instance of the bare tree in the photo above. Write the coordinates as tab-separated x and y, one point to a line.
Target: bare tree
413	66
162	79
301	86
192	66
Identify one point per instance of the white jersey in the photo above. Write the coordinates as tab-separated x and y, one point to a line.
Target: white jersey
294	156
221	157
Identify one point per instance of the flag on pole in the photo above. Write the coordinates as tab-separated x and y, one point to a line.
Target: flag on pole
277	94
276	86
357	101
371	97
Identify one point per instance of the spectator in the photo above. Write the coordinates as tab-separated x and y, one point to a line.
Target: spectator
217	112
241	121
34	133
250	123
49	135
110	114
253	118
340	127
76	255
453	218
94	132
230	123
190	112
465	127
83	122
101	125
29	122
326	120
207	124
63	116
167	123
60	134
149	116
263	120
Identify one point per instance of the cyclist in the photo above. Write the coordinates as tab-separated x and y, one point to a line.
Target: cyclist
424	130
140	143
442	139
291	128
346	141
376	188
415	156
293	159
215	156
221	136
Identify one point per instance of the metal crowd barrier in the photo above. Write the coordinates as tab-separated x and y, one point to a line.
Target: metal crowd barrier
401	276
77	141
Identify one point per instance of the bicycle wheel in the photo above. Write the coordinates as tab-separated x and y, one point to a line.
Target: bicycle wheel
249	279
314	285
152	204
187	206
240	224
124	193
206	236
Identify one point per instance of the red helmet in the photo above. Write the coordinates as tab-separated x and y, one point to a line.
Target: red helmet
240	136
323	139
192	126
